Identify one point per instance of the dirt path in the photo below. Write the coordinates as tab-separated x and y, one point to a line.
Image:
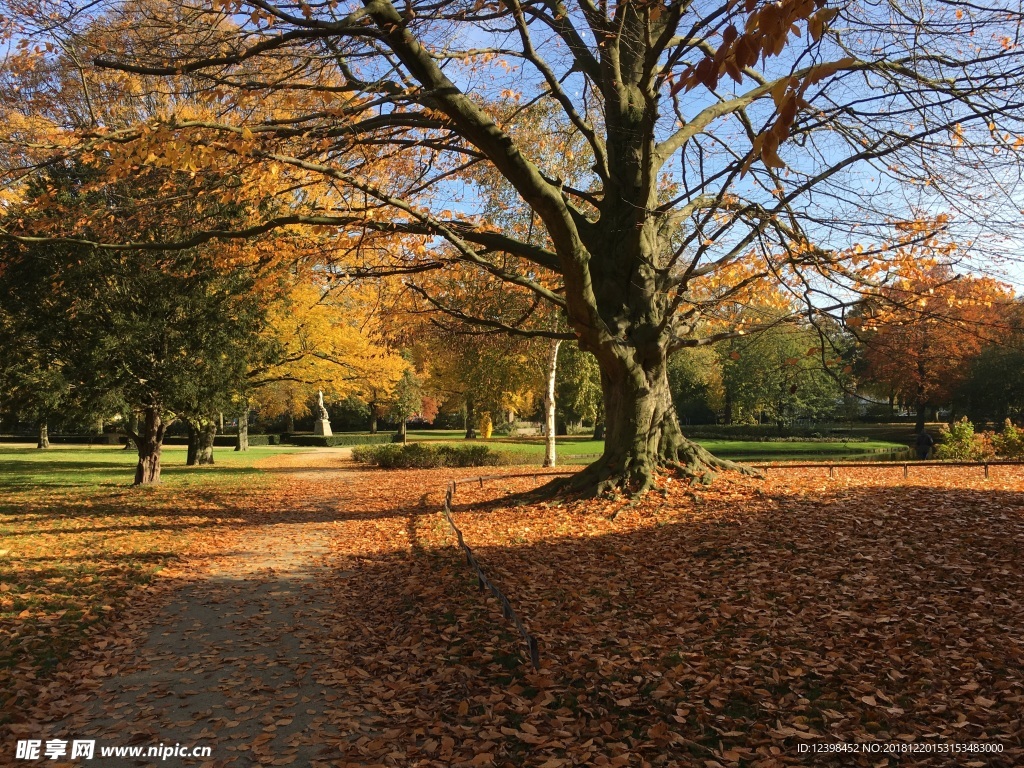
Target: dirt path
314	629
226	663
328	626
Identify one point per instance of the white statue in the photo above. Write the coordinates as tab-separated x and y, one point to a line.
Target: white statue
323	422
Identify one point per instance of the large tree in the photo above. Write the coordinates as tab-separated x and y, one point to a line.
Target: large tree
777	376
922	334
717	147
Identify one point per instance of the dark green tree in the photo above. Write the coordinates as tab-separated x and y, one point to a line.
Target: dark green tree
168	334
695	379
578	389
777	376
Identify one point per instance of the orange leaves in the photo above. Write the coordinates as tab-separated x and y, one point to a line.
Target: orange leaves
926	327
788	94
765	34
724	626
681	619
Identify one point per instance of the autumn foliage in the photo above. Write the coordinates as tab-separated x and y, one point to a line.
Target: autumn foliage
921	333
641	169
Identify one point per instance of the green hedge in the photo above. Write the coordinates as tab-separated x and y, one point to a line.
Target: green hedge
107	438
765	434
325	441
426	456
228	441
260	439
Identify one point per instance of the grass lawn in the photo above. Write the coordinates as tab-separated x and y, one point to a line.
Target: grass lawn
807	450
582	450
83	467
436	434
76	539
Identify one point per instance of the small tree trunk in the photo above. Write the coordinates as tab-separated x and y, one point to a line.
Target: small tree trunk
131	428
403	432
242	444
470	419
44	435
205	433
599	431
373	418
289	423
549	405
921	412
192	452
149	441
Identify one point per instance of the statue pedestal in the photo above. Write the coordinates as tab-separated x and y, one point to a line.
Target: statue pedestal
322	427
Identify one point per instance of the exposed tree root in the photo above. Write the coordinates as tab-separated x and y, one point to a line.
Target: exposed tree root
633	476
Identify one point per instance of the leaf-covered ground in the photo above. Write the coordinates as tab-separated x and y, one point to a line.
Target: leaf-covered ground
77	543
336	624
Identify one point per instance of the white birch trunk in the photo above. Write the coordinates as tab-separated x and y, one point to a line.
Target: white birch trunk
549	405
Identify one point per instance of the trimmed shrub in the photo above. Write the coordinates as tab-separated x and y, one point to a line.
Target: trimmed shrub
330	441
104	439
259	439
769	434
426	456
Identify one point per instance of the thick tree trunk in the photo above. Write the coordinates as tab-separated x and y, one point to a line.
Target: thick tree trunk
207	432
642	434
470	419
149	441
599	431
44	435
200	441
403	433
289	424
242	443
922	410
549	405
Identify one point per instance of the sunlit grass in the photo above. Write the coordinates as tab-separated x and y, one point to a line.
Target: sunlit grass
574	450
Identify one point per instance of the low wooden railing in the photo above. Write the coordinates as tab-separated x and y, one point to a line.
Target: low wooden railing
482	580
906	464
